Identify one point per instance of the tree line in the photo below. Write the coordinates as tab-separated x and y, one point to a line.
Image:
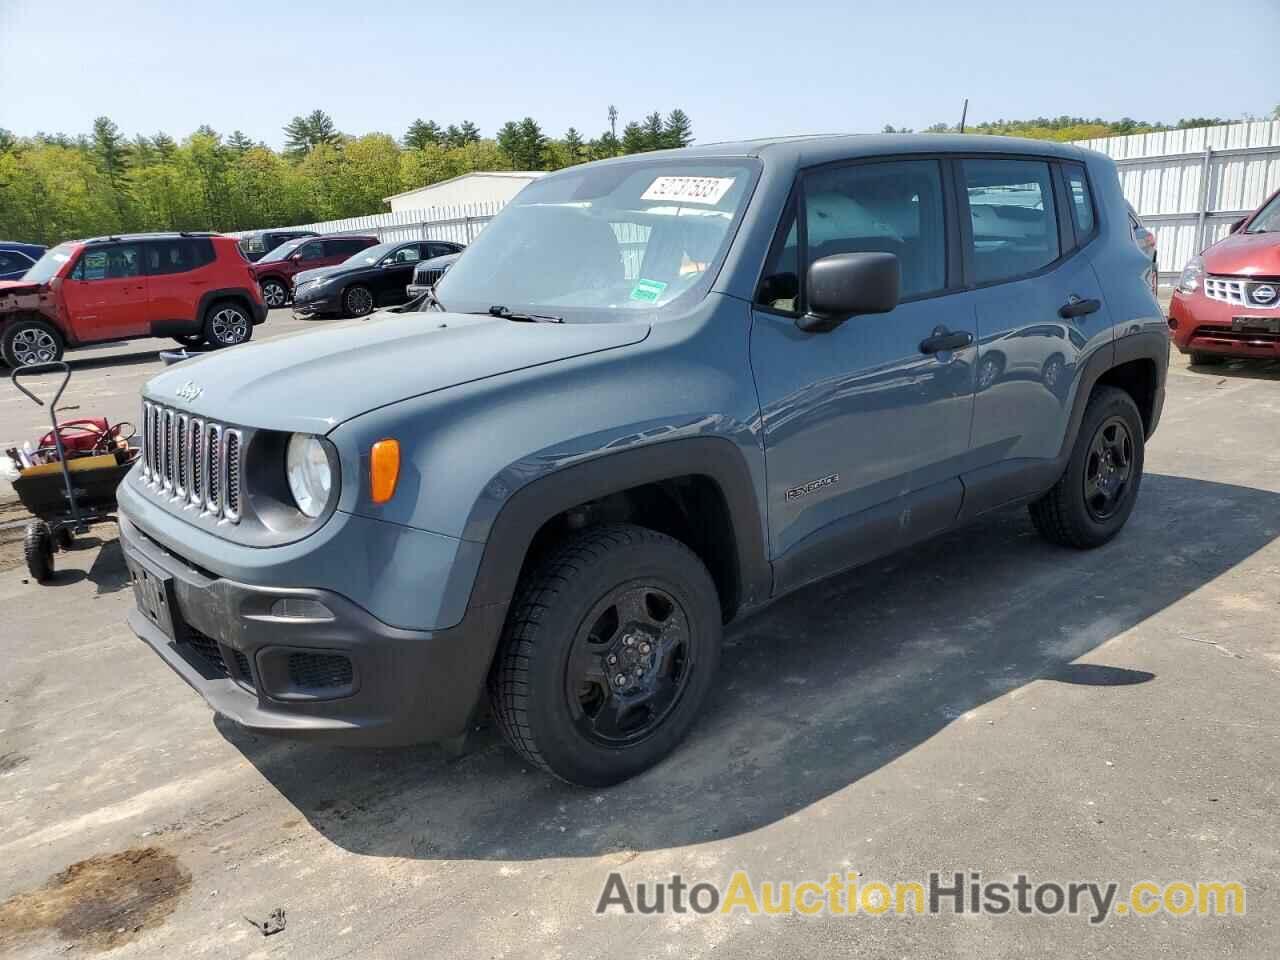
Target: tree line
55	187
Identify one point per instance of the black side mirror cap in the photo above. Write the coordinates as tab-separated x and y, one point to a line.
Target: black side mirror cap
848	284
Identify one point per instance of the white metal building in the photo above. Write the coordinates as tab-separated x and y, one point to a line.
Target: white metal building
497	186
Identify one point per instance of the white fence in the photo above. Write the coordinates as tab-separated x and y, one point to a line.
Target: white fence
1187	185
1190	185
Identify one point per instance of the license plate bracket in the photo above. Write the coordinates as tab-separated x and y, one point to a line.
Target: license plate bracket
1255	324
154	594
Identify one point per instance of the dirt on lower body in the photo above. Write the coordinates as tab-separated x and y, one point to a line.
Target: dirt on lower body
99	903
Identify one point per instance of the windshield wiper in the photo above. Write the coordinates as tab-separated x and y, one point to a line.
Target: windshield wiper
504	314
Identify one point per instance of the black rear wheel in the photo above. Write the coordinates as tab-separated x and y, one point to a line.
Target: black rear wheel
227	324
1094	496
37	549
608	655
274	295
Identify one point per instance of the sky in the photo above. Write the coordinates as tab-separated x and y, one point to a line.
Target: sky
739	69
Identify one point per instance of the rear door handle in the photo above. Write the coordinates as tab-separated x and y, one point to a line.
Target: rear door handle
943	339
1076	307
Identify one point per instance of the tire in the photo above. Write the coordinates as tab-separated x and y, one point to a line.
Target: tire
30	341
1093	498
226	324
1206	359
274	294
358	301
989	370
190	339
37	548
619	591
1051	374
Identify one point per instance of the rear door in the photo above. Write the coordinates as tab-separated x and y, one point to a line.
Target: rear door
178	272
1039	306
865	429
106	293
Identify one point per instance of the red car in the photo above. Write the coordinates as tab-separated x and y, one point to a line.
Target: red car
190	286
1227	302
275	271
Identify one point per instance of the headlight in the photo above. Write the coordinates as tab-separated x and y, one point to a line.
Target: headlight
310	476
1192	275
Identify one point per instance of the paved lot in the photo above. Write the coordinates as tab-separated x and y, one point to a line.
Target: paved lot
986	703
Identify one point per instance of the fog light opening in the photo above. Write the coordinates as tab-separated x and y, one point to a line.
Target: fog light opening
300	608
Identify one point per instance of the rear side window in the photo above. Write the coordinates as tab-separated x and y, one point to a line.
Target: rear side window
179	255
346	246
1081	200
1015	226
11	261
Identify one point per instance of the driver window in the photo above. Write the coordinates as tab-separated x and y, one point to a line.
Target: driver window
108	263
406	255
311	251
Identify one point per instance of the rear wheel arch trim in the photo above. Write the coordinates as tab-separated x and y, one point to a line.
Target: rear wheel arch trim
526	511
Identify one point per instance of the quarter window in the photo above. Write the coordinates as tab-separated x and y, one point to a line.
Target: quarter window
1081	200
1015	227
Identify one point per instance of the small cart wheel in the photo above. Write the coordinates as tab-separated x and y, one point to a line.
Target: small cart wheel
63	538
37	546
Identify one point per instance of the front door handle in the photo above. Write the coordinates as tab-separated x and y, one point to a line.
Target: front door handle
943	339
1076	307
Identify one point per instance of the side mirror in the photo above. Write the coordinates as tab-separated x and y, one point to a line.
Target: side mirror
295	257
847	284
1238	224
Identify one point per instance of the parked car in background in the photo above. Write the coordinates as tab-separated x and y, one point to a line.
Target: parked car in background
17	258
428	273
190	286
1227	302
276	270
257	245
1146	241
375	277
655	393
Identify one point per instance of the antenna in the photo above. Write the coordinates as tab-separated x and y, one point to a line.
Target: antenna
964	114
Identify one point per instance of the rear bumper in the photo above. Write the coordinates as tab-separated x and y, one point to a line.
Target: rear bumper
349	679
259	313
1201	325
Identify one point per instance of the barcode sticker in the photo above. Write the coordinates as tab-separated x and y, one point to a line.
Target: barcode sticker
708	190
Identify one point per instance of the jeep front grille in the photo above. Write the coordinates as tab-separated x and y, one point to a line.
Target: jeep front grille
195	461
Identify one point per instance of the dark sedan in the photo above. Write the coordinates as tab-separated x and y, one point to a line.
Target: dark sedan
374	277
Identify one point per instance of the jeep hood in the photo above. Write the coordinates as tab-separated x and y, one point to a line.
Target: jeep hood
18	287
1245	254
313	381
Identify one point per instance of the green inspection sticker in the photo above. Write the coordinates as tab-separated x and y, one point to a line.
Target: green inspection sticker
647	291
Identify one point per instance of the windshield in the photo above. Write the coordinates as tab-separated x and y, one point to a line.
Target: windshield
282	251
371	255
1268	220
617	238
43	269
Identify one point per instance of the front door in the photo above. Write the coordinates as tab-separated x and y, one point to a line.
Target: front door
396	272
106	294
866	426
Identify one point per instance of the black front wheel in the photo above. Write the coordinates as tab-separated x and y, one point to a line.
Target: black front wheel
1093	498
358	301
608	655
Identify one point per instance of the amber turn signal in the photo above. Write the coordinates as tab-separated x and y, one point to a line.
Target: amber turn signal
384	470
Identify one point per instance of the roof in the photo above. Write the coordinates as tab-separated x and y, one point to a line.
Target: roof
823	148
167	235
502	174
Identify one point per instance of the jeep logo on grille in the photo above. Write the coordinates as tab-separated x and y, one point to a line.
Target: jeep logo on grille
1264	294
188	391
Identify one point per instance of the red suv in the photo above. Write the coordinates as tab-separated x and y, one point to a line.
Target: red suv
275	271
1227	302
193	287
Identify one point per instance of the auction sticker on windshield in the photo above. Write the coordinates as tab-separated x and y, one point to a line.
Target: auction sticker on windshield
709	190
648	291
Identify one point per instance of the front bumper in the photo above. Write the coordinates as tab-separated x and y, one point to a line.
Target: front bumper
351	679
1201	325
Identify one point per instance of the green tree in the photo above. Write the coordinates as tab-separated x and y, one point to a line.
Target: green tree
677	130
239	142
304	134
422	133
470	133
574	147
653	132
633	138
165	146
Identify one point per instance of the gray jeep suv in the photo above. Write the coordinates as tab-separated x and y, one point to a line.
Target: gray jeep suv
657	392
